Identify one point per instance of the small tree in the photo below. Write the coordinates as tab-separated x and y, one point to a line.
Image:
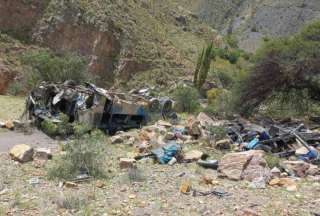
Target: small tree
205	59
203	66
186	99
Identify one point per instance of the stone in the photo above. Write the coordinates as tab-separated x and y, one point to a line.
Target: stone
246	212
313	170
100	184
247	165
258	183
70	184
193	155
42	154
185	187
131	141
301	151
170	136
299	168
164	123
22	153
194	128
275	172
145	136
204	120
143	147
223	144
116	139
288	183
9	125
126	163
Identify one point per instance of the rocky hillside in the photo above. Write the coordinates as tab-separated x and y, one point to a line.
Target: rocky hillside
250	21
119	38
128	40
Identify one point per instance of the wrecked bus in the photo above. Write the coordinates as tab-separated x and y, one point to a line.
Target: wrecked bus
94	106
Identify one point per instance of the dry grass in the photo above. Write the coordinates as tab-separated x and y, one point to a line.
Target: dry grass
11	107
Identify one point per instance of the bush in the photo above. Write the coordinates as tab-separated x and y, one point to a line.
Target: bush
45	66
186	99
283	65
222	105
84	154
15	88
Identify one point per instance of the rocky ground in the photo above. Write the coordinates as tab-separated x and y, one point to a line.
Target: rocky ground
153	189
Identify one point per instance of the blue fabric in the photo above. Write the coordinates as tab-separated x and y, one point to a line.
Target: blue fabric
166	153
252	144
312	154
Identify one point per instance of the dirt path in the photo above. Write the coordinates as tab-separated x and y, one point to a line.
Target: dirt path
37	139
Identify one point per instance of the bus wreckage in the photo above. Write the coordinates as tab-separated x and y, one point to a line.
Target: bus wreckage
94	106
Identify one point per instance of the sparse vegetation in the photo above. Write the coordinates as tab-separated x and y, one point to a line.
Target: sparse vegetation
84	154
46	66
186	99
283	66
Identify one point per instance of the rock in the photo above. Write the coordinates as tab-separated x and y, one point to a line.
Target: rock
185	187
193	155
142	147
126	163
302	151
299	168
246	212
70	184
116	139
204	120
42	154
194	128
258	183
131	141
145	136
164	123
223	144
22	153
100	184
170	136
9	125
247	165
275	172
288	183
313	170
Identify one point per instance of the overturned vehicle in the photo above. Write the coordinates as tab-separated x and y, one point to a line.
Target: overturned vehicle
94	106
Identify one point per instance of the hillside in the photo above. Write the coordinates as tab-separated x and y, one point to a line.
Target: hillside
251	21
119	38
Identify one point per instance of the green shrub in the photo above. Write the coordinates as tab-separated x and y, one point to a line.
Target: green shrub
186	99
84	153
49	127
222	106
15	88
272	161
45	66
219	132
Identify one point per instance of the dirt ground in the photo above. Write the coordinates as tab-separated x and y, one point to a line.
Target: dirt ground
156	191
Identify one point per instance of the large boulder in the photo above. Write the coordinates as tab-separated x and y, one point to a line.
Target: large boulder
249	165
298	168
22	153
204	120
193	155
